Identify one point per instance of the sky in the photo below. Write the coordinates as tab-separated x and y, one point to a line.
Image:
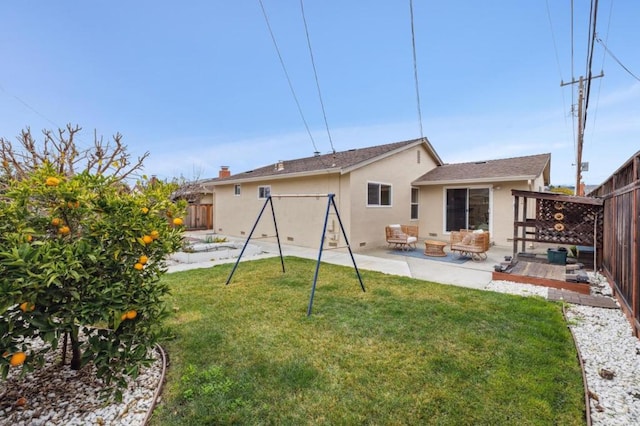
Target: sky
199	84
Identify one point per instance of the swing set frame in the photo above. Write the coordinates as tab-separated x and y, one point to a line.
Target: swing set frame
330	203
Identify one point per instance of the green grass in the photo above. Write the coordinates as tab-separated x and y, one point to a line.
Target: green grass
403	352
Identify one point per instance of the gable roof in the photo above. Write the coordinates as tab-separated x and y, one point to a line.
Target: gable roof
507	169
338	162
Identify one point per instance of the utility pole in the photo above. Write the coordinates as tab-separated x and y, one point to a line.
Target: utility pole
580	138
580	133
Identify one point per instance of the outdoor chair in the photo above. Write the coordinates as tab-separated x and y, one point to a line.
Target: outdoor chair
402	236
473	244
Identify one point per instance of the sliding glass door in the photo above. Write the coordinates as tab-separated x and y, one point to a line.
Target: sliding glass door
467	208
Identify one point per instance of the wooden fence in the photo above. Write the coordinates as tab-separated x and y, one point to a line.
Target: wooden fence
199	216
621	249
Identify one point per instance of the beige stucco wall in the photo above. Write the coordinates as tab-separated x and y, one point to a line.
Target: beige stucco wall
206	199
432	209
399	171
299	220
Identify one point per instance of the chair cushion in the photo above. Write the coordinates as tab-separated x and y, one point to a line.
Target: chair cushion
396	231
411	240
467	239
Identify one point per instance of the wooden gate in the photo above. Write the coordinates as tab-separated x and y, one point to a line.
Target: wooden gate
199	216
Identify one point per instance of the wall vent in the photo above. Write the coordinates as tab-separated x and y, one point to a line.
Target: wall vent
433	234
289	238
363	244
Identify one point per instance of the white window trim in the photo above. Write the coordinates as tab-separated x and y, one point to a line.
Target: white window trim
417	203
263	186
444	204
379	186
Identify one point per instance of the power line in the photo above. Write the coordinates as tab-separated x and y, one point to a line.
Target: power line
616	59
415	68
284	68
315	73
555	49
595	114
592	40
29	106
573	77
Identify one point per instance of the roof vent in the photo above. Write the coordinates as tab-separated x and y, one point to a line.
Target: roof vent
480	162
280	166
316	153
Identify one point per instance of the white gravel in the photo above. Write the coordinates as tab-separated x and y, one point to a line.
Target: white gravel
57	396
60	396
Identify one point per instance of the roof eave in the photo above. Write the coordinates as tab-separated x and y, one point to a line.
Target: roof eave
276	177
473	181
422	141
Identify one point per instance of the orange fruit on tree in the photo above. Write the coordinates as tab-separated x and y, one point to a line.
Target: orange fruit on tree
17	359
155	234
56	221
178	221
147	239
131	314
143	259
64	230
29	238
26	306
139	266
52	181
144	210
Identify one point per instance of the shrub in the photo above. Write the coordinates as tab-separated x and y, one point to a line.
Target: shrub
80	264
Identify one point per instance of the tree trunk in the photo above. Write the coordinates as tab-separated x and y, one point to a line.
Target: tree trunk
75	349
65	339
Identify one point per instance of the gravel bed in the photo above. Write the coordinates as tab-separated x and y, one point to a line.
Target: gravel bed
54	396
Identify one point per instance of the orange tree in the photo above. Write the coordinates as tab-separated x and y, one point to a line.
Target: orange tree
80	264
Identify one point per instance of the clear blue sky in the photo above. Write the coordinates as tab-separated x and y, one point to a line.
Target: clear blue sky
199	83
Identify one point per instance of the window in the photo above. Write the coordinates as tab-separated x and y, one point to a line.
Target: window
378	194
236	190
415	196
467	208
264	191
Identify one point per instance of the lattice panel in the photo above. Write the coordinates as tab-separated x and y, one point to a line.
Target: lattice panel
568	223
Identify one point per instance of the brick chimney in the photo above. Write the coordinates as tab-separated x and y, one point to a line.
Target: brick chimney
224	172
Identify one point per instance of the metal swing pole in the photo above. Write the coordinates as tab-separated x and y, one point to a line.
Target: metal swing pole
275	225
315	276
268	200
346	240
330	202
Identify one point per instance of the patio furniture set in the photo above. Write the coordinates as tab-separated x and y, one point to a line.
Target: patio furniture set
465	242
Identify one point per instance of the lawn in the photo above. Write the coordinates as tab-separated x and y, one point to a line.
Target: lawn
403	352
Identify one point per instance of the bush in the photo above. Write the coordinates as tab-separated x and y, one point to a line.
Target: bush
80	264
